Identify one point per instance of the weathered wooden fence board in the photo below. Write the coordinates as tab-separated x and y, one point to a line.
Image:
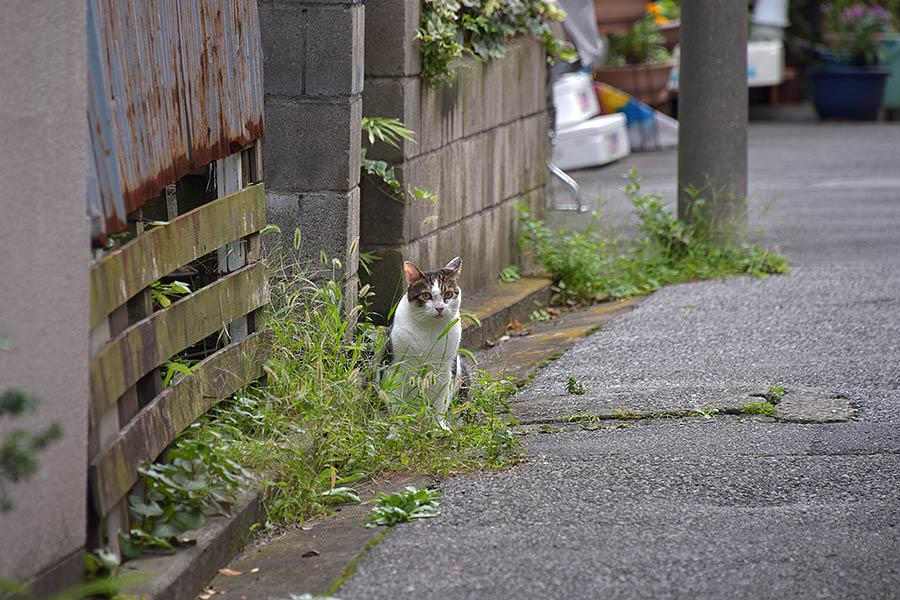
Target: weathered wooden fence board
151	341
125	272
143	439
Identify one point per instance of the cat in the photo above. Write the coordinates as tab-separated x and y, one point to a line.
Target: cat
426	332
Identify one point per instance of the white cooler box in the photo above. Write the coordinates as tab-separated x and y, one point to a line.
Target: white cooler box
592	143
574	99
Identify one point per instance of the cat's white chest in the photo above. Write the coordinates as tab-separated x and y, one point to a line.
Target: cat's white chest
420	341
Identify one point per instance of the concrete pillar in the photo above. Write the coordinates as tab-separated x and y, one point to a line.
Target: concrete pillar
713	108
313	80
44	275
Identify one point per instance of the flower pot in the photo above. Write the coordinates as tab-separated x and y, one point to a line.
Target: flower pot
646	82
848	91
617	16
671	31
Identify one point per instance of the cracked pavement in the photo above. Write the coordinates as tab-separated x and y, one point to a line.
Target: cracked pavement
731	506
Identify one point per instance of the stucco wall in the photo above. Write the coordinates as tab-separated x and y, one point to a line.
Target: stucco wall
45	245
481	146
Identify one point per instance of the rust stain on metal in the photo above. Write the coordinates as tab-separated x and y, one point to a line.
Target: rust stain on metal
174	85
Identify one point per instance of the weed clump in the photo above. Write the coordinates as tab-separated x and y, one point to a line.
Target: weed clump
588	266
326	417
759	408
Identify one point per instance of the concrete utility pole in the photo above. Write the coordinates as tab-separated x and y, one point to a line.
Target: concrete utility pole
712	109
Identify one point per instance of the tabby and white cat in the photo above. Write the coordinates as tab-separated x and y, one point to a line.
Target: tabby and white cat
422	337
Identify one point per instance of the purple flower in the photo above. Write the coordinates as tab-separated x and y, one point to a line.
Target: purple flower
879	12
853	13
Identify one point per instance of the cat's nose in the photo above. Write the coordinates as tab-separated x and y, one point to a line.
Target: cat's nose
440	309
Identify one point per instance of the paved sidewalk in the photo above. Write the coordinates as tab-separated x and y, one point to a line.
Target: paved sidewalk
729	506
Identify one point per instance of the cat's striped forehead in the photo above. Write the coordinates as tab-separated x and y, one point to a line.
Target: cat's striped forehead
440	281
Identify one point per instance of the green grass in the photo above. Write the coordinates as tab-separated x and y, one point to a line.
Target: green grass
323	421
759	408
588	265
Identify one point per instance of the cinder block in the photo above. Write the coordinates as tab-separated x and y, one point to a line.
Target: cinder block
441	117
449	243
334	50
533	77
511	67
493	94
281	30
423	172
398	98
390	47
385	278
329	223
454	171
535	140
424	252
473	152
382	215
282	210
505	231
430	133
476	262
388	218
312	145
495	165
471	93
515	156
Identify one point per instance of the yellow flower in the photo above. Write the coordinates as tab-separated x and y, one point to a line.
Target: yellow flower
654	9
660	20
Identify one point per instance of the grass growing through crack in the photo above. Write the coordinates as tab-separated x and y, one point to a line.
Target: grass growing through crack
323	422
758	408
588	266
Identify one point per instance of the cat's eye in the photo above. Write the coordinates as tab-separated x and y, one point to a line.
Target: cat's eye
425	296
448	294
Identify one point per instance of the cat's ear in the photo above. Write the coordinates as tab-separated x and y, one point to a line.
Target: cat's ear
413	273
453	267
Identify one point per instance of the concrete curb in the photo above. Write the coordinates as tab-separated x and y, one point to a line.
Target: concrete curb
498	305
183	575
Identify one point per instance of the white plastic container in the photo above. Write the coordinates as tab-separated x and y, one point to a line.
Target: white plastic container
574	98
592	143
765	63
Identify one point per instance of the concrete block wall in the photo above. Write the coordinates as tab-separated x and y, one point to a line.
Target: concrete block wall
313	59
481	146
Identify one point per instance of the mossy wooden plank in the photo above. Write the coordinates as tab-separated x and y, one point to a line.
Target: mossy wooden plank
119	276
146	436
151	341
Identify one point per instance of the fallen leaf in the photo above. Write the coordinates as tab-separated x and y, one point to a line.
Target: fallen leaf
514	325
230	572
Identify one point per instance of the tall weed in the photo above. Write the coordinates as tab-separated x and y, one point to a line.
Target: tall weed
588	266
324	420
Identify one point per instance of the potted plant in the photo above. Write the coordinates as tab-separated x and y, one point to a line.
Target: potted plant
849	84
667	16
638	62
617	16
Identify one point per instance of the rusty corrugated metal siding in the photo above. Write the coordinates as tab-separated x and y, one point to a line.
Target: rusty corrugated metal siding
174	85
